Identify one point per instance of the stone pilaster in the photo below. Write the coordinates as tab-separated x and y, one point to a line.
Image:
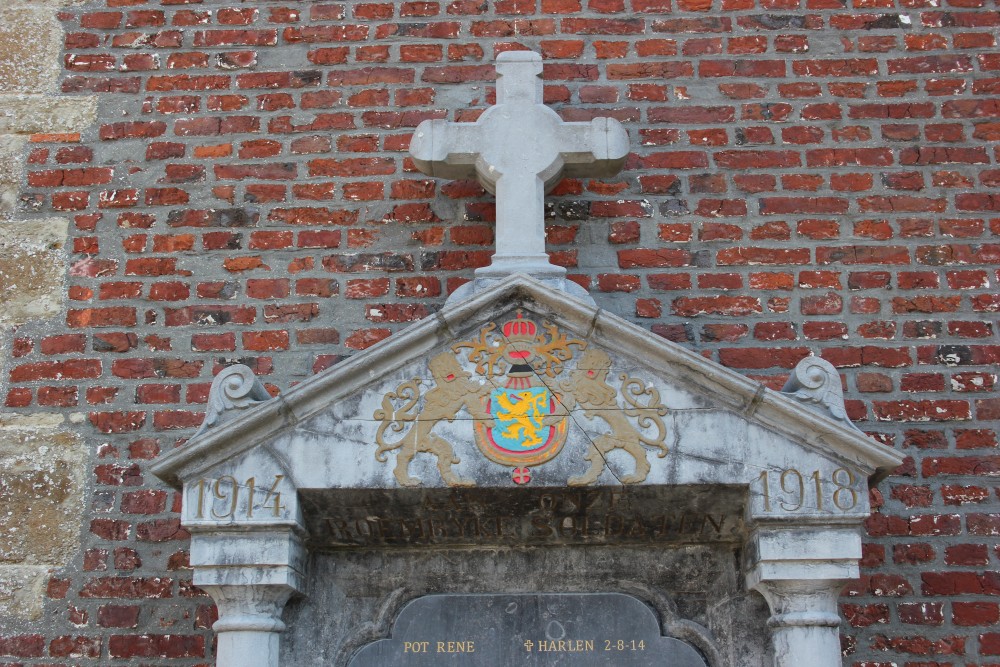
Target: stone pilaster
249	626
804	621
42	463
800	570
250	573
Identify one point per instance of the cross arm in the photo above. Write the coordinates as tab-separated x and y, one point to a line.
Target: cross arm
445	150
595	149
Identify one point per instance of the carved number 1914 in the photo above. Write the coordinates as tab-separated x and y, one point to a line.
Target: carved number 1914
794	487
227	489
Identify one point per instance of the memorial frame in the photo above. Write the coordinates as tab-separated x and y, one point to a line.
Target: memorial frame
798	560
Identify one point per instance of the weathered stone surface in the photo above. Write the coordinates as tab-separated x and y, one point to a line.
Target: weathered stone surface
32	268
30	114
695	590
41	479
663	515
11	171
41	493
30	43
22	590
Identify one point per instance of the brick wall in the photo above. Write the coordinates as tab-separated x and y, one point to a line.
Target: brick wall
807	176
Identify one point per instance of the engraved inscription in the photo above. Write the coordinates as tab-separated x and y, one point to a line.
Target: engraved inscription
791	490
528	630
227	498
574	516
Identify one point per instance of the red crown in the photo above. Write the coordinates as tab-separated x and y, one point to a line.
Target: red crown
519	329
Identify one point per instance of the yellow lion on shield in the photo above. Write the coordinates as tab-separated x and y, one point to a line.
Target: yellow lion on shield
526	416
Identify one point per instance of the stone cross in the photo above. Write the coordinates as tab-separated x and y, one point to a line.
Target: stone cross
518	150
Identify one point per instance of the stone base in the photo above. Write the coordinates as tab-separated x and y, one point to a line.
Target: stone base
551	276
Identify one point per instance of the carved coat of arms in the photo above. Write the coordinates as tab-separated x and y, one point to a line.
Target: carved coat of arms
528	385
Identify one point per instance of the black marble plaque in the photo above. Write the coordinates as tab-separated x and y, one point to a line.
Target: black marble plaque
531	629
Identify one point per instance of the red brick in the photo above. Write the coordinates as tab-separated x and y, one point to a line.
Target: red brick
716	305
975	613
204	342
365	338
663	257
802	205
921	613
117	422
156	646
72	369
744	256
57	396
22	646
118	616
261	341
611	282
762	357
161	530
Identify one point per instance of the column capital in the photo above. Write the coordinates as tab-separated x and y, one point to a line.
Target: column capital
780	551
802	602
800	570
251	607
804	623
250	572
249	626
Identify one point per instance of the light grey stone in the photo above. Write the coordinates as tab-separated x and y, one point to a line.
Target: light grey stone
815	381
233	388
518	150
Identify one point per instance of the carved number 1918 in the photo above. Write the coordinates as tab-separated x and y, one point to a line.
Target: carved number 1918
794	484
227	489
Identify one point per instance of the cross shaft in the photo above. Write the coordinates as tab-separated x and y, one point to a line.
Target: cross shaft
518	150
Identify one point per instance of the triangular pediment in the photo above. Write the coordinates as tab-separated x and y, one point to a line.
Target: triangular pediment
525	386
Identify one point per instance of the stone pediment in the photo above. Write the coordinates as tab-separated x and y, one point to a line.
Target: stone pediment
524	387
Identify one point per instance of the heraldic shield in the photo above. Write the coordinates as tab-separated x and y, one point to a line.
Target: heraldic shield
526	431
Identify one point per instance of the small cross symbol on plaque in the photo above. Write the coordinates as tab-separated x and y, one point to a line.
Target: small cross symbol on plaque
518	150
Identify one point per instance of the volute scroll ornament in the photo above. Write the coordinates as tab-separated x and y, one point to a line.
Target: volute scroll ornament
815	381
235	387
